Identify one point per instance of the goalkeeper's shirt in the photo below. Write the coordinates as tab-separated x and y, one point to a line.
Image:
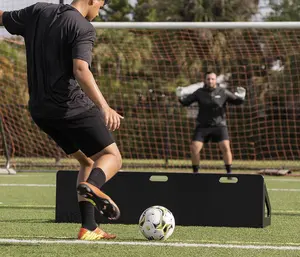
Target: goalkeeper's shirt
212	105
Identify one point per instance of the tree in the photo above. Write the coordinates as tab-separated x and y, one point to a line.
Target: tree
195	10
117	10
286	10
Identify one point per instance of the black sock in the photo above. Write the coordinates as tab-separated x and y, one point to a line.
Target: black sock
195	168
87	211
97	177
228	168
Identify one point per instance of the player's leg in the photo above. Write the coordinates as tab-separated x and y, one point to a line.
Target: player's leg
199	138
92	137
87	209
227	155
89	229
106	165
220	135
196	147
60	132
55	129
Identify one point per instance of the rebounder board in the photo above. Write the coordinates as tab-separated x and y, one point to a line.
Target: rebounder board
194	199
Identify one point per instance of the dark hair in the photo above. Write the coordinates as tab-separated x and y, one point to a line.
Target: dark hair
106	2
208	72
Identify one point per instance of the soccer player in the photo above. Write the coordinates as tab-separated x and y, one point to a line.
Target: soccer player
65	101
211	119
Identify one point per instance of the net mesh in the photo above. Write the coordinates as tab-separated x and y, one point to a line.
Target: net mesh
138	71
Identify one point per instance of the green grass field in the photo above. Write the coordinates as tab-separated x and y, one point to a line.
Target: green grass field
27	227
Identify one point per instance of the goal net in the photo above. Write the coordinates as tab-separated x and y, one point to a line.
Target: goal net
138	68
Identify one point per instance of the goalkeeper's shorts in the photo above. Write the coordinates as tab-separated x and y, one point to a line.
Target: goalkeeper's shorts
213	134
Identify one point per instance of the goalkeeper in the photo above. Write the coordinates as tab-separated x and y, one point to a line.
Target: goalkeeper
65	101
211	119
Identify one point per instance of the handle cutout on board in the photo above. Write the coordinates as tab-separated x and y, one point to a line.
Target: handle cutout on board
158	178
228	180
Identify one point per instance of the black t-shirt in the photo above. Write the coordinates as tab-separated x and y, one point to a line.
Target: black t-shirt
54	36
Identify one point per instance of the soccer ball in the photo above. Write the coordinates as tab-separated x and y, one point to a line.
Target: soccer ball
157	223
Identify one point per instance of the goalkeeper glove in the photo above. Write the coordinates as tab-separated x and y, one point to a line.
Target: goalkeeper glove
241	92
179	91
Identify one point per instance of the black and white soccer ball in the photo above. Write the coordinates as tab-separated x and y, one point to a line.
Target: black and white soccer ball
157	223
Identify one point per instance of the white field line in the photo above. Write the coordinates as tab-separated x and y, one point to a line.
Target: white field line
27	185
284	190
283	179
158	244
53	185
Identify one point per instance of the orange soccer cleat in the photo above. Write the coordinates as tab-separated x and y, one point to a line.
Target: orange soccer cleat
104	204
97	234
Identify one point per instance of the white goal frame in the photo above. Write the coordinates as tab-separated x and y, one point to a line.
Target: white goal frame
197	25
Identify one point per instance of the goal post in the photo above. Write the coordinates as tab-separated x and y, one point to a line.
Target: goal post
138	67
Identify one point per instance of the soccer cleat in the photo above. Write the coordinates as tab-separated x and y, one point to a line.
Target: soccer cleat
103	203
97	234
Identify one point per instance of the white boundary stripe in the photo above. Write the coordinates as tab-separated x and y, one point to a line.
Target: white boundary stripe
284	190
283	179
78	242
27	185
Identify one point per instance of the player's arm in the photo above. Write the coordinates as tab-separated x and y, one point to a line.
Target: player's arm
1	14
82	45
188	100
88	84
237	98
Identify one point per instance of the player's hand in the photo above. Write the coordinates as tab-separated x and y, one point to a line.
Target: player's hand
112	118
241	92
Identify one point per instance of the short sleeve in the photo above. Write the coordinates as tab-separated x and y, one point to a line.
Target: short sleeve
15	21
82	46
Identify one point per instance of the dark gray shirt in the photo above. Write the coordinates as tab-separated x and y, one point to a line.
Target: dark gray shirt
54	36
212	105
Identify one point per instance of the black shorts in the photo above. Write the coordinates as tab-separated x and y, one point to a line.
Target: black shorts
86	132
213	134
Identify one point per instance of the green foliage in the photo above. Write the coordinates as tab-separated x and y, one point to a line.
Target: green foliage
117	10
194	10
285	10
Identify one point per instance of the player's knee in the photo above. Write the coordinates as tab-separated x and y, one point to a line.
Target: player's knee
225	149
86	163
118	160
194	149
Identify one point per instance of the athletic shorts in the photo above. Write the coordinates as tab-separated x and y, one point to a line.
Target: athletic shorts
86	132
213	134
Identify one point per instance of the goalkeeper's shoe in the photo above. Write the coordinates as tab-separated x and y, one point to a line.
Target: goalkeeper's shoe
103	203
97	234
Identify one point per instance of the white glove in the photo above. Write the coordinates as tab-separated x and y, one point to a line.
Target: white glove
179	91
241	92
